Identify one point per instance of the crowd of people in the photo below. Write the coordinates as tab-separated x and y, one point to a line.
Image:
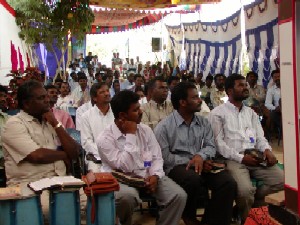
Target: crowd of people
168	126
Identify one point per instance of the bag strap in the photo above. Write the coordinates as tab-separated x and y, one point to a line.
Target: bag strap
93	210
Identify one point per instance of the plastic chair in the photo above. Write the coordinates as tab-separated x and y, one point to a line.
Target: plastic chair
78	166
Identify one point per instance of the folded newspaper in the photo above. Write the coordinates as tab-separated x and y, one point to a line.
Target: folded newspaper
56	182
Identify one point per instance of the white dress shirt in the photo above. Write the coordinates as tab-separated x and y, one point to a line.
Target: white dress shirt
64	103
130	152
80	111
93	122
235	131
272	98
81	97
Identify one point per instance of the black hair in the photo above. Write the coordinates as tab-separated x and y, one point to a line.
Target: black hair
219	75
274	71
25	91
253	73
209	77
180	92
58	80
171	78
230	81
151	83
95	87
137	76
81	76
50	86
122	101
3	89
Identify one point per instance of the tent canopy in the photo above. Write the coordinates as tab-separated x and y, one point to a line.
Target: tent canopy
121	15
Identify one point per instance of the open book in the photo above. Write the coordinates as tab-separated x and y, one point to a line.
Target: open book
56	182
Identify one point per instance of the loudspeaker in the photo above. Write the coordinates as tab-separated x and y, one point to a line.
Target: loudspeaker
156	44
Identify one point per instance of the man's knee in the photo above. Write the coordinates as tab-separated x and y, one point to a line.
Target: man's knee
246	193
128	199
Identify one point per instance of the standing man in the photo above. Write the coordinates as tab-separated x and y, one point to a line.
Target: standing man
237	129
30	139
93	122
187	147
218	93
131	146
158	107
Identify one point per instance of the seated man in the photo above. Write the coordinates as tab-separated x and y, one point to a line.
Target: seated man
187	145
31	138
81	93
131	147
93	122
237	128
273	99
218	94
35	144
158	107
65	99
61	115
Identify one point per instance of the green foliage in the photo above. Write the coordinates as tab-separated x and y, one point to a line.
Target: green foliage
50	22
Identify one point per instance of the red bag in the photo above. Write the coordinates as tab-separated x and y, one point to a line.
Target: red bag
99	183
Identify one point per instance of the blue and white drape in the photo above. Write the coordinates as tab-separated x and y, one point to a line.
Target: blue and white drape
261	25
210	48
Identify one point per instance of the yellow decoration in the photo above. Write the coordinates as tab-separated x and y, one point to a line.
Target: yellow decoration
70	15
175	1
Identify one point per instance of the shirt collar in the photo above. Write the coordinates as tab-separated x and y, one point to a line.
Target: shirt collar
99	111
27	117
232	107
179	120
117	133
158	106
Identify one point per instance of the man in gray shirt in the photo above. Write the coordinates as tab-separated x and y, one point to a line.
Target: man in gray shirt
187	145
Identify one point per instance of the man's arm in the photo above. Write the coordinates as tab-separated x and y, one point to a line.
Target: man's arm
269	99
69	145
118	158
87	137
157	160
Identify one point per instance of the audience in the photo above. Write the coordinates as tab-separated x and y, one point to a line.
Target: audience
81	93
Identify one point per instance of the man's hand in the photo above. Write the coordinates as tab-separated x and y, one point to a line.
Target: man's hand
277	109
249	160
50	118
151	183
207	166
128	127
196	161
270	157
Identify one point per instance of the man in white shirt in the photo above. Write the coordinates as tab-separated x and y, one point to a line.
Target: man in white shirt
65	100
80	111
81	93
132	147
93	122
273	99
236	129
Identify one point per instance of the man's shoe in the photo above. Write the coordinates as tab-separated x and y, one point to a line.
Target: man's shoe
191	221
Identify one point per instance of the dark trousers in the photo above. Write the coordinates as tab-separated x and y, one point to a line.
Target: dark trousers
218	210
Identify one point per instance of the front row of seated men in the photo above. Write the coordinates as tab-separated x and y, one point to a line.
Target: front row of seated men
182	146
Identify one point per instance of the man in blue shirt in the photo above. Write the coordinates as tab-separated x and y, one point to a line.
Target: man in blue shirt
187	145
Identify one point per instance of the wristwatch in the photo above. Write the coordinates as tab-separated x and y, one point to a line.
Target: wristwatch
58	125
